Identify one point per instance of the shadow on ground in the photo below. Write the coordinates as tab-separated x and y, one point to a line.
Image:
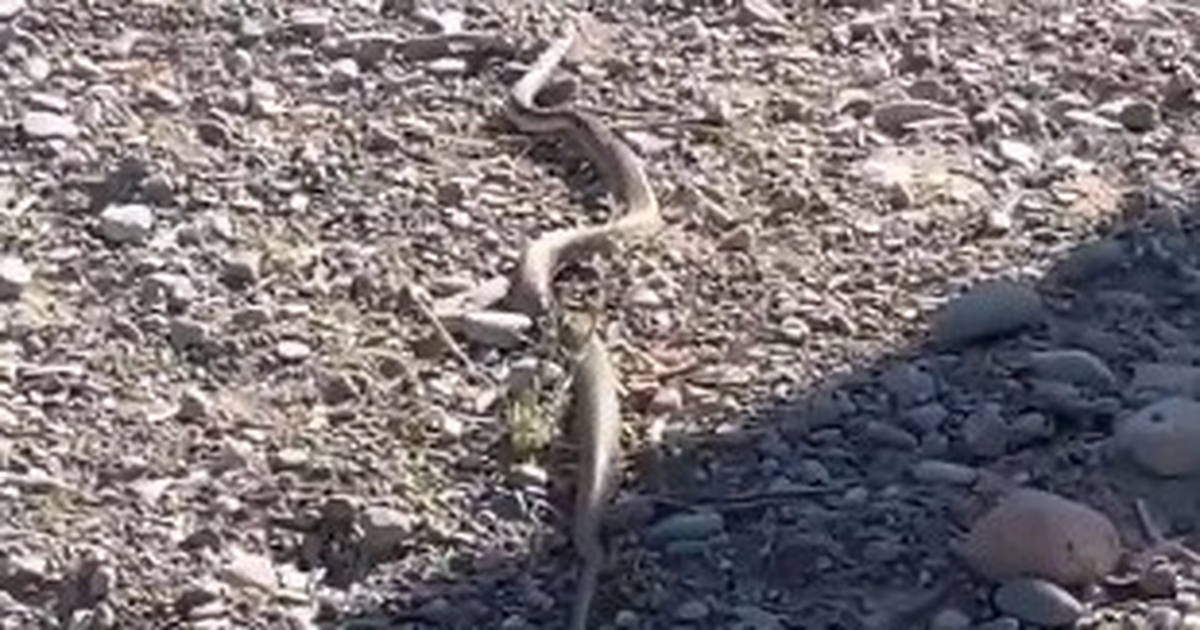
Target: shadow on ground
824	511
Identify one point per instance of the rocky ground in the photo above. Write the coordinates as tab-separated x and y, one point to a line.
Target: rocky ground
919	253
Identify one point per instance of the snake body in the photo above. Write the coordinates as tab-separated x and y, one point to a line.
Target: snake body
595	402
618	165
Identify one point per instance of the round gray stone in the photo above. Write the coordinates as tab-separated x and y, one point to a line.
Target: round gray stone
991	309
1163	437
1078	367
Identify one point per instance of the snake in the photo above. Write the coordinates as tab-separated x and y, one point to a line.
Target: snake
619	167
595	410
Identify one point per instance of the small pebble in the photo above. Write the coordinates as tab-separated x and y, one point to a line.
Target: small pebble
193	405
130	223
760	11
999	623
385	530
950	619
447	66
740	238
855	496
38	68
1190	621
1030	427
855	102
1163	618
1139	115
198	593
344	72
666	400
927	418
895	117
292	351
1090	261
755	618
241	270
939	472
289	459
642	296
813	472
162	98
177	289
265	101
310	22
1158	580
1078	367
692	611
493	329
1038	602
186	334
15	276
48	102
889	435
985	434
686	526
214	132
626	619
338	387
514	622
909	385
250	570
1018	153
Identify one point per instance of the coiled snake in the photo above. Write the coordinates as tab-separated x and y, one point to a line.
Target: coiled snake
595	413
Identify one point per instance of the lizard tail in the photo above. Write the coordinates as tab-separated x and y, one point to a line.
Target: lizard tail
585	592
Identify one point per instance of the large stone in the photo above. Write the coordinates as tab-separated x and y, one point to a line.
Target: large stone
1163	438
991	309
1037	534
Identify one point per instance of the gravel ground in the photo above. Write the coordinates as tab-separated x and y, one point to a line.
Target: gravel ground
918	254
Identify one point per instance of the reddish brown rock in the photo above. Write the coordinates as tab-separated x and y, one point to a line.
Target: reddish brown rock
1033	533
